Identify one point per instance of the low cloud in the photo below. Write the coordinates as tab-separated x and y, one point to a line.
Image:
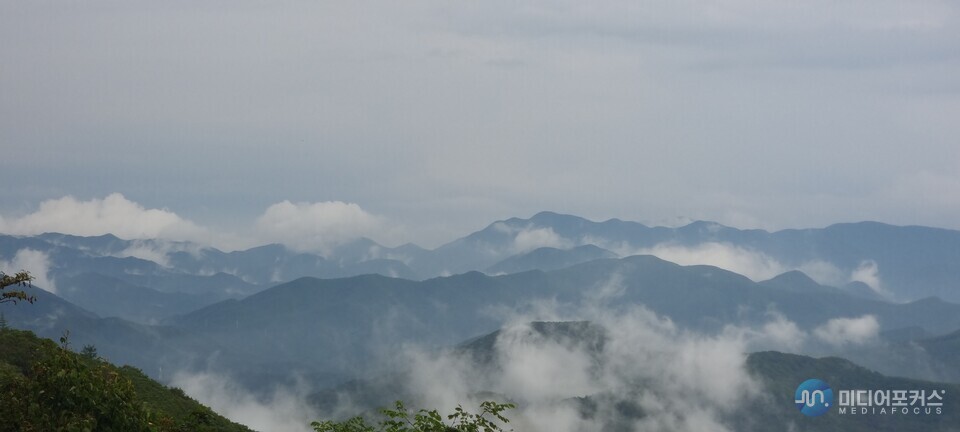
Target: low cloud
618	356
146	252
528	238
849	331
158	250
301	226
285	410
824	273
757	265
35	262
320	226
868	272
681	380
533	238
114	214
752	264
778	333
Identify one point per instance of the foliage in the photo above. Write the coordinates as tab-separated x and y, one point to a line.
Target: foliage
21	279
400	419
187	414
69	393
44	387
89	352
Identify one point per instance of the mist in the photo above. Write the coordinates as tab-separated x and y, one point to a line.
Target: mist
594	359
283	410
36	263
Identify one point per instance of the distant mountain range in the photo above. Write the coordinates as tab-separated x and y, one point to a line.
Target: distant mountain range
339	327
899	263
269	315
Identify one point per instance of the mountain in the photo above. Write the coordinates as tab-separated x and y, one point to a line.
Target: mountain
868	259
798	282
342	326
107	296
334	328
148	280
151	263
151	348
549	258
907	262
945	347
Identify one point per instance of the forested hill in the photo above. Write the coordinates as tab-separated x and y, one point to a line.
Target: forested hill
45	387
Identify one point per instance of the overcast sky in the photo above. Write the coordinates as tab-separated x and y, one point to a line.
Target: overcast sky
422	121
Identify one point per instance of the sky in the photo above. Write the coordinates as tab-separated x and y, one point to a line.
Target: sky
249	121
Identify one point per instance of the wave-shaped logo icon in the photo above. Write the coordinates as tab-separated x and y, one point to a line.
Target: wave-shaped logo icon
813	397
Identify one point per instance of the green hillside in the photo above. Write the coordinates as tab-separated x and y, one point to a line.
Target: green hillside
46	387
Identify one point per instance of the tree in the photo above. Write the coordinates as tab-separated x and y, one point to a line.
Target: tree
89	352
402	420
21	279
66	392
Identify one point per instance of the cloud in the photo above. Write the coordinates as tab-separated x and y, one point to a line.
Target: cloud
779	333
114	214
302	226
319	226
824	272
868	272
536	369
681	380
532	238
527	238
158	250
752	264
35	262
849	331
285	410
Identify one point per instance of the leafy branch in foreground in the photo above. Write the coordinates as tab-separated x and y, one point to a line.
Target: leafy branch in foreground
20	278
400	419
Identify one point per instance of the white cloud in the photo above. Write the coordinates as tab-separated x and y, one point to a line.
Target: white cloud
319	226
158	250
302	226
532	238
35	262
690	380
285	410
147	253
114	214
752	264
534	369
824	272
844	331
868	272
779	333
